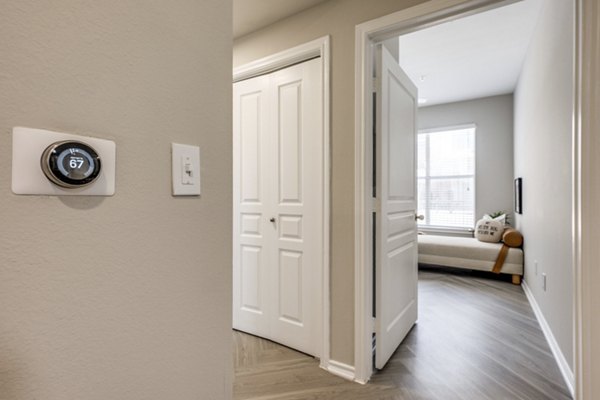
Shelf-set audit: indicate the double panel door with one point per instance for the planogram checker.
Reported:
(278, 205)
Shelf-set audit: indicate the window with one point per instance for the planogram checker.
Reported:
(446, 178)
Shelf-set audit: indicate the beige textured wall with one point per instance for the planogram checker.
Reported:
(543, 146)
(588, 363)
(337, 18)
(126, 297)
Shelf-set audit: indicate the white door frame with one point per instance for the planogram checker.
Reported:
(316, 48)
(586, 175)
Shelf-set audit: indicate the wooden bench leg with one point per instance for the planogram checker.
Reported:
(516, 279)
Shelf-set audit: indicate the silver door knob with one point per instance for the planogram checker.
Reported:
(272, 219)
(421, 217)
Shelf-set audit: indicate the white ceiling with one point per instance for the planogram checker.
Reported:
(471, 57)
(251, 15)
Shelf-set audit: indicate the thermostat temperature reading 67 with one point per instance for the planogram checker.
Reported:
(70, 164)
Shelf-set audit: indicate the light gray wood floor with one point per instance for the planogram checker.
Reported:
(476, 338)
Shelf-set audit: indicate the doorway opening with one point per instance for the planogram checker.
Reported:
(380, 31)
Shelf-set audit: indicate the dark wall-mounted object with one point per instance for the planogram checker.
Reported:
(519, 195)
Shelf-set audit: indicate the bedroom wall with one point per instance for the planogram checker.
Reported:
(543, 146)
(493, 117)
(337, 18)
(125, 297)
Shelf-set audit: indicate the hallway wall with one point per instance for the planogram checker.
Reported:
(125, 297)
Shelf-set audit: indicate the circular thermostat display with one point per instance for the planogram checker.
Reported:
(70, 164)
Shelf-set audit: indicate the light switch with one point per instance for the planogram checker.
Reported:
(185, 169)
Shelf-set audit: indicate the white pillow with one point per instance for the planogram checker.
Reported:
(489, 230)
(499, 218)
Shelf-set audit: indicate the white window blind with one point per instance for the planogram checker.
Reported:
(446, 178)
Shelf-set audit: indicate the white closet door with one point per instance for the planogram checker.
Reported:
(396, 234)
(297, 183)
(251, 206)
(278, 210)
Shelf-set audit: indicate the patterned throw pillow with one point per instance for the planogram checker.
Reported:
(489, 230)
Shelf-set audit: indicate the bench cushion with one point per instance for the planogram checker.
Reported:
(469, 253)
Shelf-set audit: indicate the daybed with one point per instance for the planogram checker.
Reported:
(469, 253)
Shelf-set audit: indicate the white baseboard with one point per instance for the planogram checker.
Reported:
(339, 369)
(563, 365)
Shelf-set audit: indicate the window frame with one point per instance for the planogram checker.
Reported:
(427, 178)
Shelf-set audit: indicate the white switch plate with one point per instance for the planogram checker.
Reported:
(27, 174)
(185, 169)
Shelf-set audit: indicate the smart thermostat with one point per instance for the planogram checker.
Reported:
(71, 164)
(62, 164)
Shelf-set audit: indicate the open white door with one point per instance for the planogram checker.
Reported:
(396, 228)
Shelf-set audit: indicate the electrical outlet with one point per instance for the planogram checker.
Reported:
(544, 281)
(535, 265)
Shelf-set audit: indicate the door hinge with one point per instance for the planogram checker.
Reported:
(374, 85)
(375, 205)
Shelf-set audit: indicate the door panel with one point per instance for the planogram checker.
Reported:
(251, 224)
(396, 233)
(251, 271)
(251, 137)
(290, 287)
(290, 227)
(401, 131)
(289, 129)
(278, 145)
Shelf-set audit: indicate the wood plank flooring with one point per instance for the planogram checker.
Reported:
(476, 338)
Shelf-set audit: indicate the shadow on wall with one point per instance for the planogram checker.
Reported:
(81, 202)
